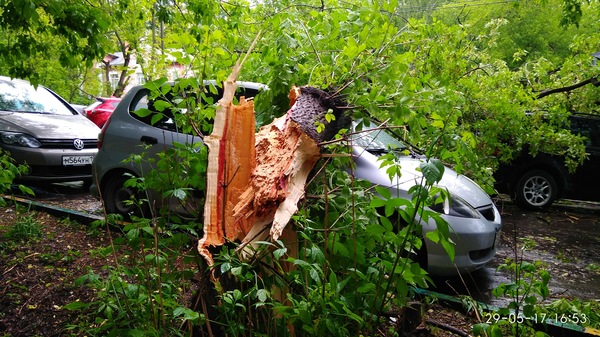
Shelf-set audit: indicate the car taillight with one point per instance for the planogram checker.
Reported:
(101, 134)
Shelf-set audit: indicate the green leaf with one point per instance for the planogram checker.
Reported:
(433, 170)
(26, 190)
(384, 192)
(179, 194)
(376, 203)
(156, 118)
(449, 247)
(262, 295)
(367, 287)
(278, 253)
(143, 112)
(76, 306)
(433, 236)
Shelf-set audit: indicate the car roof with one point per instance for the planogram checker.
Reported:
(243, 84)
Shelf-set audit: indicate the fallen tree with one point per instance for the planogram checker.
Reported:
(254, 181)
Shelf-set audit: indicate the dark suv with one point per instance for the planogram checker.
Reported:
(536, 182)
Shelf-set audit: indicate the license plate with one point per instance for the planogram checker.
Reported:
(77, 160)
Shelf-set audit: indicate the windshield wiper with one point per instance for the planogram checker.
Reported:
(378, 151)
(35, 112)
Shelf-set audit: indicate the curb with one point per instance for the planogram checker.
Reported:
(82, 217)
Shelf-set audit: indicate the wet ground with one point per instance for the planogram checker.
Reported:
(565, 238)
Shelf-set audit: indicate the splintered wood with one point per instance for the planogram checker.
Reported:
(254, 182)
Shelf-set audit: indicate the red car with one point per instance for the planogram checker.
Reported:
(99, 111)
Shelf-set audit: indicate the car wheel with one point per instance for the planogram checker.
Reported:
(536, 189)
(124, 200)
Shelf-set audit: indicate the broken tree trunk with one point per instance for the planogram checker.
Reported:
(230, 164)
(285, 152)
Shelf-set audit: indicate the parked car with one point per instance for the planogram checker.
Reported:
(42, 130)
(470, 212)
(79, 108)
(473, 217)
(99, 111)
(125, 133)
(536, 182)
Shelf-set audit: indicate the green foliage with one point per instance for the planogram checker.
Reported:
(8, 172)
(574, 311)
(461, 92)
(26, 228)
(526, 293)
(460, 89)
(356, 259)
(33, 27)
(143, 294)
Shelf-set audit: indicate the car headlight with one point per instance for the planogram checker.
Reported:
(455, 206)
(19, 139)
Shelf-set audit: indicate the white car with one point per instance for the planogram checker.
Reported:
(42, 130)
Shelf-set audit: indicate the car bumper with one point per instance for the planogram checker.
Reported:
(475, 244)
(46, 165)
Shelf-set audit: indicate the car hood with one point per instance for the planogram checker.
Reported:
(368, 167)
(49, 126)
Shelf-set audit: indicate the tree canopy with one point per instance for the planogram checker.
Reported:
(459, 75)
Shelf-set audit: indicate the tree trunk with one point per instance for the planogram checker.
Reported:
(254, 182)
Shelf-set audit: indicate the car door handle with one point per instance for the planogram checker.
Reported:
(149, 140)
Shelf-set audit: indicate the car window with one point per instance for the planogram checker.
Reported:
(373, 138)
(22, 97)
(142, 101)
(588, 128)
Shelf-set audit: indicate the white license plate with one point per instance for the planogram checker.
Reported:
(77, 160)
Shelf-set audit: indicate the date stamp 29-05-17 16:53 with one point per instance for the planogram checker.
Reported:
(576, 318)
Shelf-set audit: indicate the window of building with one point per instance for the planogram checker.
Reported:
(114, 80)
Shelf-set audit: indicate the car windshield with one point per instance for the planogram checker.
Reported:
(16, 96)
(376, 139)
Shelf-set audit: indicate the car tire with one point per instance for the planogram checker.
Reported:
(536, 189)
(117, 199)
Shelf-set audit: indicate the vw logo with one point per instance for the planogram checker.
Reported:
(78, 143)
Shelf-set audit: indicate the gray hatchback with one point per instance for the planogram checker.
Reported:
(130, 130)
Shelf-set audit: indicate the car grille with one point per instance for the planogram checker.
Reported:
(487, 212)
(67, 143)
(59, 171)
